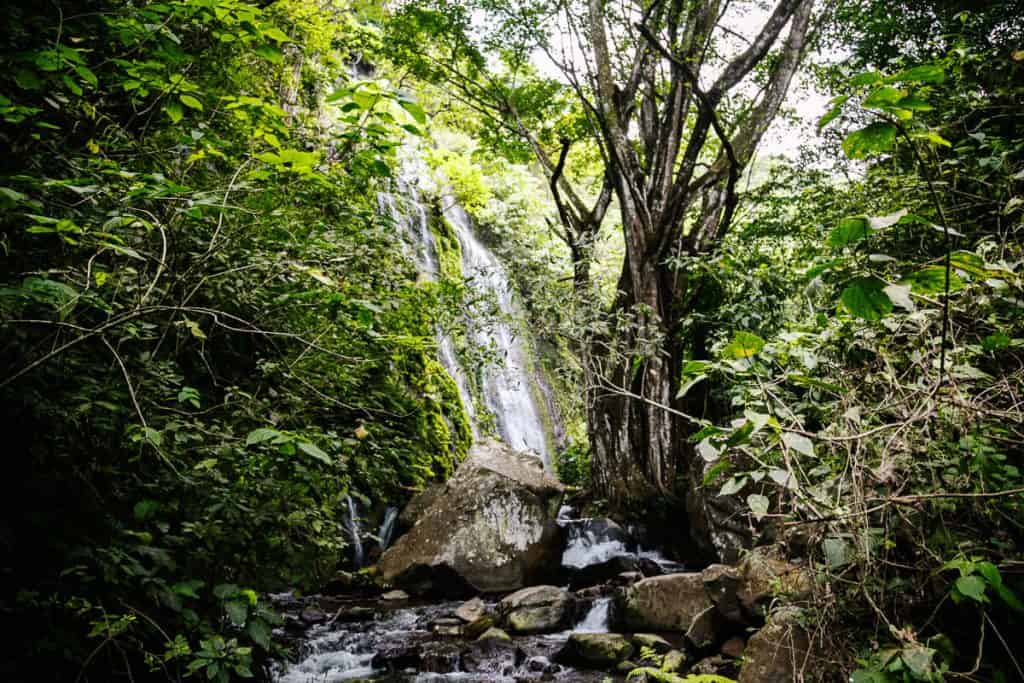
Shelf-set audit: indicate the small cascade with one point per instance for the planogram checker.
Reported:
(506, 388)
(387, 527)
(597, 619)
(352, 524)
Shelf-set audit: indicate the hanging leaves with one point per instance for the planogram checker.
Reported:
(865, 298)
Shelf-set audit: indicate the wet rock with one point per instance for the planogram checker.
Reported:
(705, 629)
(536, 609)
(628, 578)
(494, 655)
(493, 530)
(674, 661)
(649, 567)
(471, 610)
(312, 615)
(719, 666)
(722, 583)
(625, 667)
(600, 572)
(541, 665)
(474, 628)
(396, 656)
(664, 603)
(447, 627)
(652, 641)
(596, 650)
(342, 582)
(764, 574)
(778, 652)
(733, 647)
(495, 634)
(395, 596)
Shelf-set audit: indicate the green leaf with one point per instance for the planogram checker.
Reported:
(833, 113)
(743, 345)
(918, 660)
(866, 78)
(932, 280)
(153, 436)
(174, 111)
(798, 443)
(925, 73)
(865, 298)
(276, 35)
(837, 552)
(758, 505)
(190, 101)
(312, 451)
(259, 631)
(994, 342)
(733, 486)
(270, 53)
(260, 435)
(415, 110)
(848, 231)
(883, 97)
(875, 139)
(973, 587)
(237, 611)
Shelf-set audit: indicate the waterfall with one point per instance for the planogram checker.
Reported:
(352, 523)
(506, 388)
(387, 527)
(596, 620)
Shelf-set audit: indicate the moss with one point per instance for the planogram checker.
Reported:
(443, 425)
(449, 249)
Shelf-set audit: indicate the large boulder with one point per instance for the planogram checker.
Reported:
(536, 609)
(665, 603)
(491, 530)
(718, 524)
(778, 653)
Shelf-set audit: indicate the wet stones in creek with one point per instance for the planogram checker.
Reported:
(537, 609)
(493, 529)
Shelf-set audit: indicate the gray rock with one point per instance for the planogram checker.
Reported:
(536, 609)
(733, 647)
(494, 634)
(418, 504)
(664, 603)
(705, 629)
(778, 652)
(471, 610)
(722, 583)
(597, 650)
(493, 530)
(718, 524)
(718, 665)
(395, 596)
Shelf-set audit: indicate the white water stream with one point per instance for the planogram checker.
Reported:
(507, 387)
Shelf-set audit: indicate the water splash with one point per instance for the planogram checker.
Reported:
(597, 619)
(352, 524)
(387, 527)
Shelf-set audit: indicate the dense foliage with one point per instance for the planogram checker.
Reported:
(214, 336)
(211, 337)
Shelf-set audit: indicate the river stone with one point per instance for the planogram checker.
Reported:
(492, 530)
(705, 628)
(718, 524)
(653, 641)
(536, 609)
(494, 634)
(733, 647)
(722, 582)
(778, 652)
(395, 596)
(665, 603)
(474, 628)
(418, 504)
(471, 610)
(598, 650)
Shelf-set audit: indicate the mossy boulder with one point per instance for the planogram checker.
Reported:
(536, 609)
(597, 650)
(492, 529)
(664, 603)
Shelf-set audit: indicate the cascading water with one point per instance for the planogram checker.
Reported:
(387, 528)
(597, 619)
(352, 523)
(506, 387)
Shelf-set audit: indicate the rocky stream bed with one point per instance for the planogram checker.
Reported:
(494, 580)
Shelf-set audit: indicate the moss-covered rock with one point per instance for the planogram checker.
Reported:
(536, 609)
(598, 650)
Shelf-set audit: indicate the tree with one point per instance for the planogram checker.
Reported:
(672, 150)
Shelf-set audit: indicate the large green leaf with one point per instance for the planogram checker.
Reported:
(877, 138)
(314, 452)
(932, 280)
(865, 298)
(925, 73)
(743, 345)
(849, 230)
